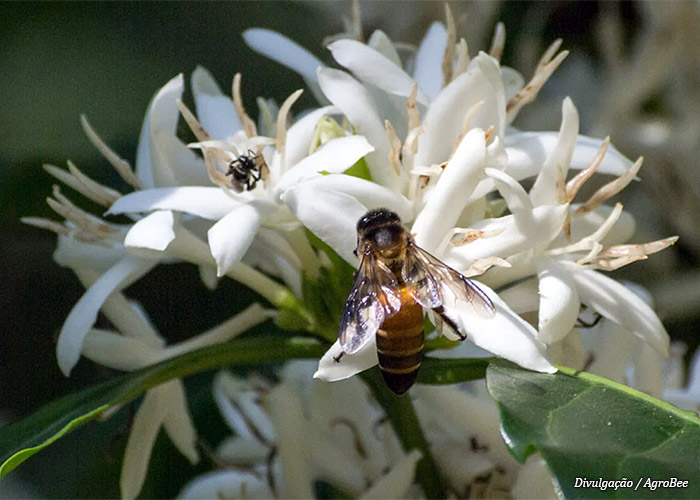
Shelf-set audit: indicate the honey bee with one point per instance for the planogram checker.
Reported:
(245, 171)
(395, 281)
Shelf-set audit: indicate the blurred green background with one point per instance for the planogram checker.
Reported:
(106, 60)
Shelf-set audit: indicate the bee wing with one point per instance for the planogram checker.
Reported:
(373, 298)
(426, 278)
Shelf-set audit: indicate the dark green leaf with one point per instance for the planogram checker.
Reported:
(589, 427)
(22, 439)
(438, 371)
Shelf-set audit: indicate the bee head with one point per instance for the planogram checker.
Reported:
(375, 218)
(383, 231)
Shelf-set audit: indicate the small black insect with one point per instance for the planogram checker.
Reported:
(245, 171)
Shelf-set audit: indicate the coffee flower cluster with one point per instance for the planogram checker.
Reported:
(426, 134)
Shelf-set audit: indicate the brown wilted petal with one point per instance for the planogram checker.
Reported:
(122, 166)
(610, 189)
(248, 124)
(528, 93)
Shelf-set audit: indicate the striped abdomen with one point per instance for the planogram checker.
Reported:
(400, 345)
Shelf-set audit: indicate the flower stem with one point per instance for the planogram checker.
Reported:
(301, 246)
(400, 411)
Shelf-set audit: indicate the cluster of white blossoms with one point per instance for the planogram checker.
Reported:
(433, 128)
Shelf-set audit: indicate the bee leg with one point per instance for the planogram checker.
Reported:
(583, 324)
(440, 311)
(337, 358)
(253, 180)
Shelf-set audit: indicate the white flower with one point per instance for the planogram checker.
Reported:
(95, 249)
(505, 334)
(687, 397)
(164, 406)
(318, 432)
(445, 103)
(415, 123)
(105, 261)
(239, 217)
(566, 271)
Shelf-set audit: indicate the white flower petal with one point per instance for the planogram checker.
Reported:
(288, 53)
(77, 254)
(569, 351)
(356, 103)
(174, 164)
(380, 42)
(117, 351)
(616, 302)
(335, 464)
(513, 81)
(300, 134)
(287, 415)
(465, 415)
(428, 66)
(694, 373)
(452, 190)
(330, 215)
(534, 480)
(445, 118)
(588, 223)
(512, 192)
(335, 156)
(226, 484)
(206, 202)
(522, 297)
(396, 482)
(155, 231)
(648, 370)
(349, 365)
(242, 450)
(237, 400)
(527, 152)
(162, 114)
(142, 437)
(215, 111)
(207, 274)
(370, 194)
(458, 463)
(231, 236)
(352, 405)
(611, 351)
(688, 398)
(556, 166)
(505, 334)
(372, 67)
(519, 233)
(178, 423)
(161, 159)
(129, 318)
(559, 304)
(84, 313)
(225, 389)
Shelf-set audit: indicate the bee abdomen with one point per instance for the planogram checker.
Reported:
(400, 353)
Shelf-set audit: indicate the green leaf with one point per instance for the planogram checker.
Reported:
(20, 440)
(359, 169)
(589, 427)
(439, 371)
